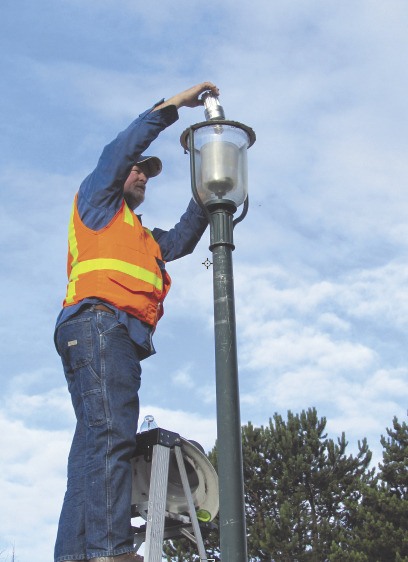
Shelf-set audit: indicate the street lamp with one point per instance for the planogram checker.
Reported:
(218, 165)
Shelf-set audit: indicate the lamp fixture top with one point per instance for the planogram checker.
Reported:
(249, 131)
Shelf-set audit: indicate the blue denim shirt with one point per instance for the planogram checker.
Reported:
(100, 197)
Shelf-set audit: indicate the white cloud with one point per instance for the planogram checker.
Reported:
(337, 345)
(182, 377)
(32, 484)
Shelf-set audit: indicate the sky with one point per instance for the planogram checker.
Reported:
(321, 260)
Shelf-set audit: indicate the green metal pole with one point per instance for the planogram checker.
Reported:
(229, 445)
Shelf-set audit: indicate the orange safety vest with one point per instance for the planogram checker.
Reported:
(117, 264)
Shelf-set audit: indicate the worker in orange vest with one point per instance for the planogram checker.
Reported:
(117, 282)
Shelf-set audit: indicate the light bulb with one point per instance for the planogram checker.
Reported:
(212, 107)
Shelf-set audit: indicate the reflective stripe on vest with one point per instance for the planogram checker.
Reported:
(73, 250)
(116, 265)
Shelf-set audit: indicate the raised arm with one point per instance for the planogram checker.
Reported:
(101, 193)
(190, 97)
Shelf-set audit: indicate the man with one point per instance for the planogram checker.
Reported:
(117, 284)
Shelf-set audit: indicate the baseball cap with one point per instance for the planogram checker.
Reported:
(153, 164)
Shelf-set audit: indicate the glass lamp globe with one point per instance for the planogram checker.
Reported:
(219, 155)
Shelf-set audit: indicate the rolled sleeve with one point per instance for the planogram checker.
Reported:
(101, 193)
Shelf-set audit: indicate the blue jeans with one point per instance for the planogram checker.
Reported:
(102, 368)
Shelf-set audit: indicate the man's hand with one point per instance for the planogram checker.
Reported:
(190, 97)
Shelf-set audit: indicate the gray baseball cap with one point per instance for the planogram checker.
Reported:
(153, 164)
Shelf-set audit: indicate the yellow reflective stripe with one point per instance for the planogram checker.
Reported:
(149, 232)
(73, 250)
(128, 218)
(116, 265)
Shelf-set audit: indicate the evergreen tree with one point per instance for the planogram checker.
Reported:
(380, 520)
(393, 492)
(296, 502)
(394, 469)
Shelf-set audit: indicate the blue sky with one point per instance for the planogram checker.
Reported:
(321, 260)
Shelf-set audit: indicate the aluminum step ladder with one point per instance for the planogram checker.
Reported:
(153, 453)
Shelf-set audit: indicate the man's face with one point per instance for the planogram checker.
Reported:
(135, 186)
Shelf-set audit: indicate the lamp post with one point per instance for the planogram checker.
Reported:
(218, 165)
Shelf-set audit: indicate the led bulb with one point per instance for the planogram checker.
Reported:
(212, 107)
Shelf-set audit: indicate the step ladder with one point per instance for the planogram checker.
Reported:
(156, 450)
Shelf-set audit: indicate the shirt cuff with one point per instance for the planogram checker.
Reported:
(195, 208)
(169, 113)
